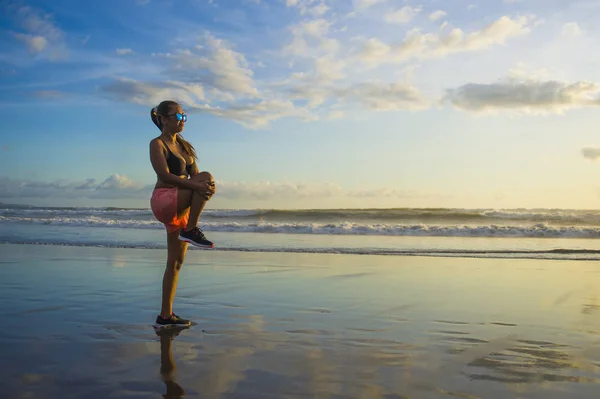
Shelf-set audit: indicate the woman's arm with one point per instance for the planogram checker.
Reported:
(194, 169)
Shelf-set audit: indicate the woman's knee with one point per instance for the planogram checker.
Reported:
(175, 264)
(175, 260)
(203, 176)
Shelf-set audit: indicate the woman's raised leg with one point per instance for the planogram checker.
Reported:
(195, 201)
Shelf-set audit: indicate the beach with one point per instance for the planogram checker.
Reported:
(358, 199)
(292, 325)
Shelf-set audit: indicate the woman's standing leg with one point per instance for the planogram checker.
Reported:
(175, 257)
(187, 201)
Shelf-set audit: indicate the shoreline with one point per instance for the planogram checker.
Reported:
(549, 255)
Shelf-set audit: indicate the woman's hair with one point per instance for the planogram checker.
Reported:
(163, 109)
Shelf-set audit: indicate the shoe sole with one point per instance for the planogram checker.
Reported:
(195, 244)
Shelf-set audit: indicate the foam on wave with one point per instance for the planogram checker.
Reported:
(541, 230)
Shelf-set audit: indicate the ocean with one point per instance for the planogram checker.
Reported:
(489, 233)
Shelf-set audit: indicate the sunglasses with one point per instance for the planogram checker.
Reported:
(180, 117)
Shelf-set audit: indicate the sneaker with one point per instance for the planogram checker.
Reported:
(173, 321)
(195, 237)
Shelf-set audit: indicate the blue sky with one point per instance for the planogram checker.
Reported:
(305, 103)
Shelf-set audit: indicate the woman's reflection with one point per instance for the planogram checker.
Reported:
(167, 363)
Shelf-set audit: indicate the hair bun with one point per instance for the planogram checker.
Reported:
(154, 117)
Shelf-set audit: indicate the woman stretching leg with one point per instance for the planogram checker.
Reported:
(180, 194)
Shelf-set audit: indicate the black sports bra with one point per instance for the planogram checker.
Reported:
(177, 166)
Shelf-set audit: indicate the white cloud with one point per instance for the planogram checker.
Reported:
(36, 21)
(214, 64)
(316, 28)
(525, 96)
(302, 90)
(403, 15)
(42, 35)
(375, 51)
(380, 96)
(591, 153)
(310, 39)
(118, 182)
(430, 45)
(309, 7)
(266, 190)
(298, 47)
(362, 4)
(35, 44)
(329, 69)
(252, 113)
(572, 29)
(215, 79)
(259, 114)
(124, 51)
(319, 10)
(152, 93)
(436, 15)
(372, 95)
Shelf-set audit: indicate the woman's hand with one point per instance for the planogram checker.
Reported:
(206, 188)
(212, 190)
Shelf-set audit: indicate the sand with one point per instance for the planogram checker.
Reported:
(274, 325)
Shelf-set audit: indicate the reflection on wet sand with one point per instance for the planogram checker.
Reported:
(248, 355)
(253, 356)
(167, 363)
(417, 328)
(531, 362)
(245, 359)
(592, 306)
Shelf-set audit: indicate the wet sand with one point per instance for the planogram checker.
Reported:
(275, 325)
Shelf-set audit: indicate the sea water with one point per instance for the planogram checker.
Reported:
(510, 233)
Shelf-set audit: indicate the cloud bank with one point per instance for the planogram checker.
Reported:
(121, 187)
(531, 96)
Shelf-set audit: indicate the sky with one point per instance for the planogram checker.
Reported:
(305, 103)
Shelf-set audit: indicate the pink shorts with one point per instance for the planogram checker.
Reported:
(164, 207)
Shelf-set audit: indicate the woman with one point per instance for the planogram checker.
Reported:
(177, 200)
